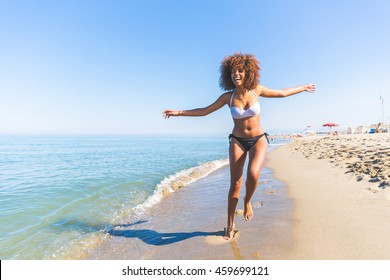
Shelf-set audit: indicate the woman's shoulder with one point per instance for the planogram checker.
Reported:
(258, 89)
(226, 96)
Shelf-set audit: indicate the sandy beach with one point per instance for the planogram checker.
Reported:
(189, 224)
(339, 186)
(330, 200)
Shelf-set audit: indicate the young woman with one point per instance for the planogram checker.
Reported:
(240, 79)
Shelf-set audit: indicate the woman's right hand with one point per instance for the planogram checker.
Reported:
(170, 113)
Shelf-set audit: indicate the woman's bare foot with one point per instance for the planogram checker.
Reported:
(248, 212)
(229, 232)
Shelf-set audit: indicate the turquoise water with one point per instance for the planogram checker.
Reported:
(58, 195)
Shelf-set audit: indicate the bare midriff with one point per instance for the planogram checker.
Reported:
(248, 127)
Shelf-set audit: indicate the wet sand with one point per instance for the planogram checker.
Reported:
(339, 186)
(189, 224)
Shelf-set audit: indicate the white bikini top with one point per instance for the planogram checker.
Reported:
(239, 113)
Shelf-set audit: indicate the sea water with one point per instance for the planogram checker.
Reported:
(60, 194)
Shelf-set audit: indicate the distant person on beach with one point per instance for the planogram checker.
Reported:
(240, 77)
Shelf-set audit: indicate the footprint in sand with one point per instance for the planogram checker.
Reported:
(271, 191)
(218, 239)
(257, 204)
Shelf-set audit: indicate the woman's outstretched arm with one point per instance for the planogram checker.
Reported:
(267, 92)
(199, 112)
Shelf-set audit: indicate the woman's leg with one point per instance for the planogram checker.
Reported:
(257, 156)
(237, 160)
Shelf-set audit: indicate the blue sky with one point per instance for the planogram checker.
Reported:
(112, 67)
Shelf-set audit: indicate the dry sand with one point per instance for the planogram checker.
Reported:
(339, 186)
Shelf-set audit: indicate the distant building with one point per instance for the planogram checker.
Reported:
(351, 130)
(362, 129)
(309, 133)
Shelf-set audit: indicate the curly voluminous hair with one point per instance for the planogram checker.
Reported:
(248, 62)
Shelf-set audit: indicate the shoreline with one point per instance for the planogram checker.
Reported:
(312, 203)
(339, 212)
(189, 225)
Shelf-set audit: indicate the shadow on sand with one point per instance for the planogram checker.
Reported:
(148, 236)
(155, 238)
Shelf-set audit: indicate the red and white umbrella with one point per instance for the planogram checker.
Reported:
(330, 125)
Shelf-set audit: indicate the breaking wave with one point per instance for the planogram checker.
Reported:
(179, 180)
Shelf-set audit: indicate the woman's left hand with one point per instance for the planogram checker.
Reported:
(310, 88)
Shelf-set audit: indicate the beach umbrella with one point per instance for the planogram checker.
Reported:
(330, 125)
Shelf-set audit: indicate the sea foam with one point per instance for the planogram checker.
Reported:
(179, 180)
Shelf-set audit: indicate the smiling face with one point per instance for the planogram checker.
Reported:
(238, 76)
